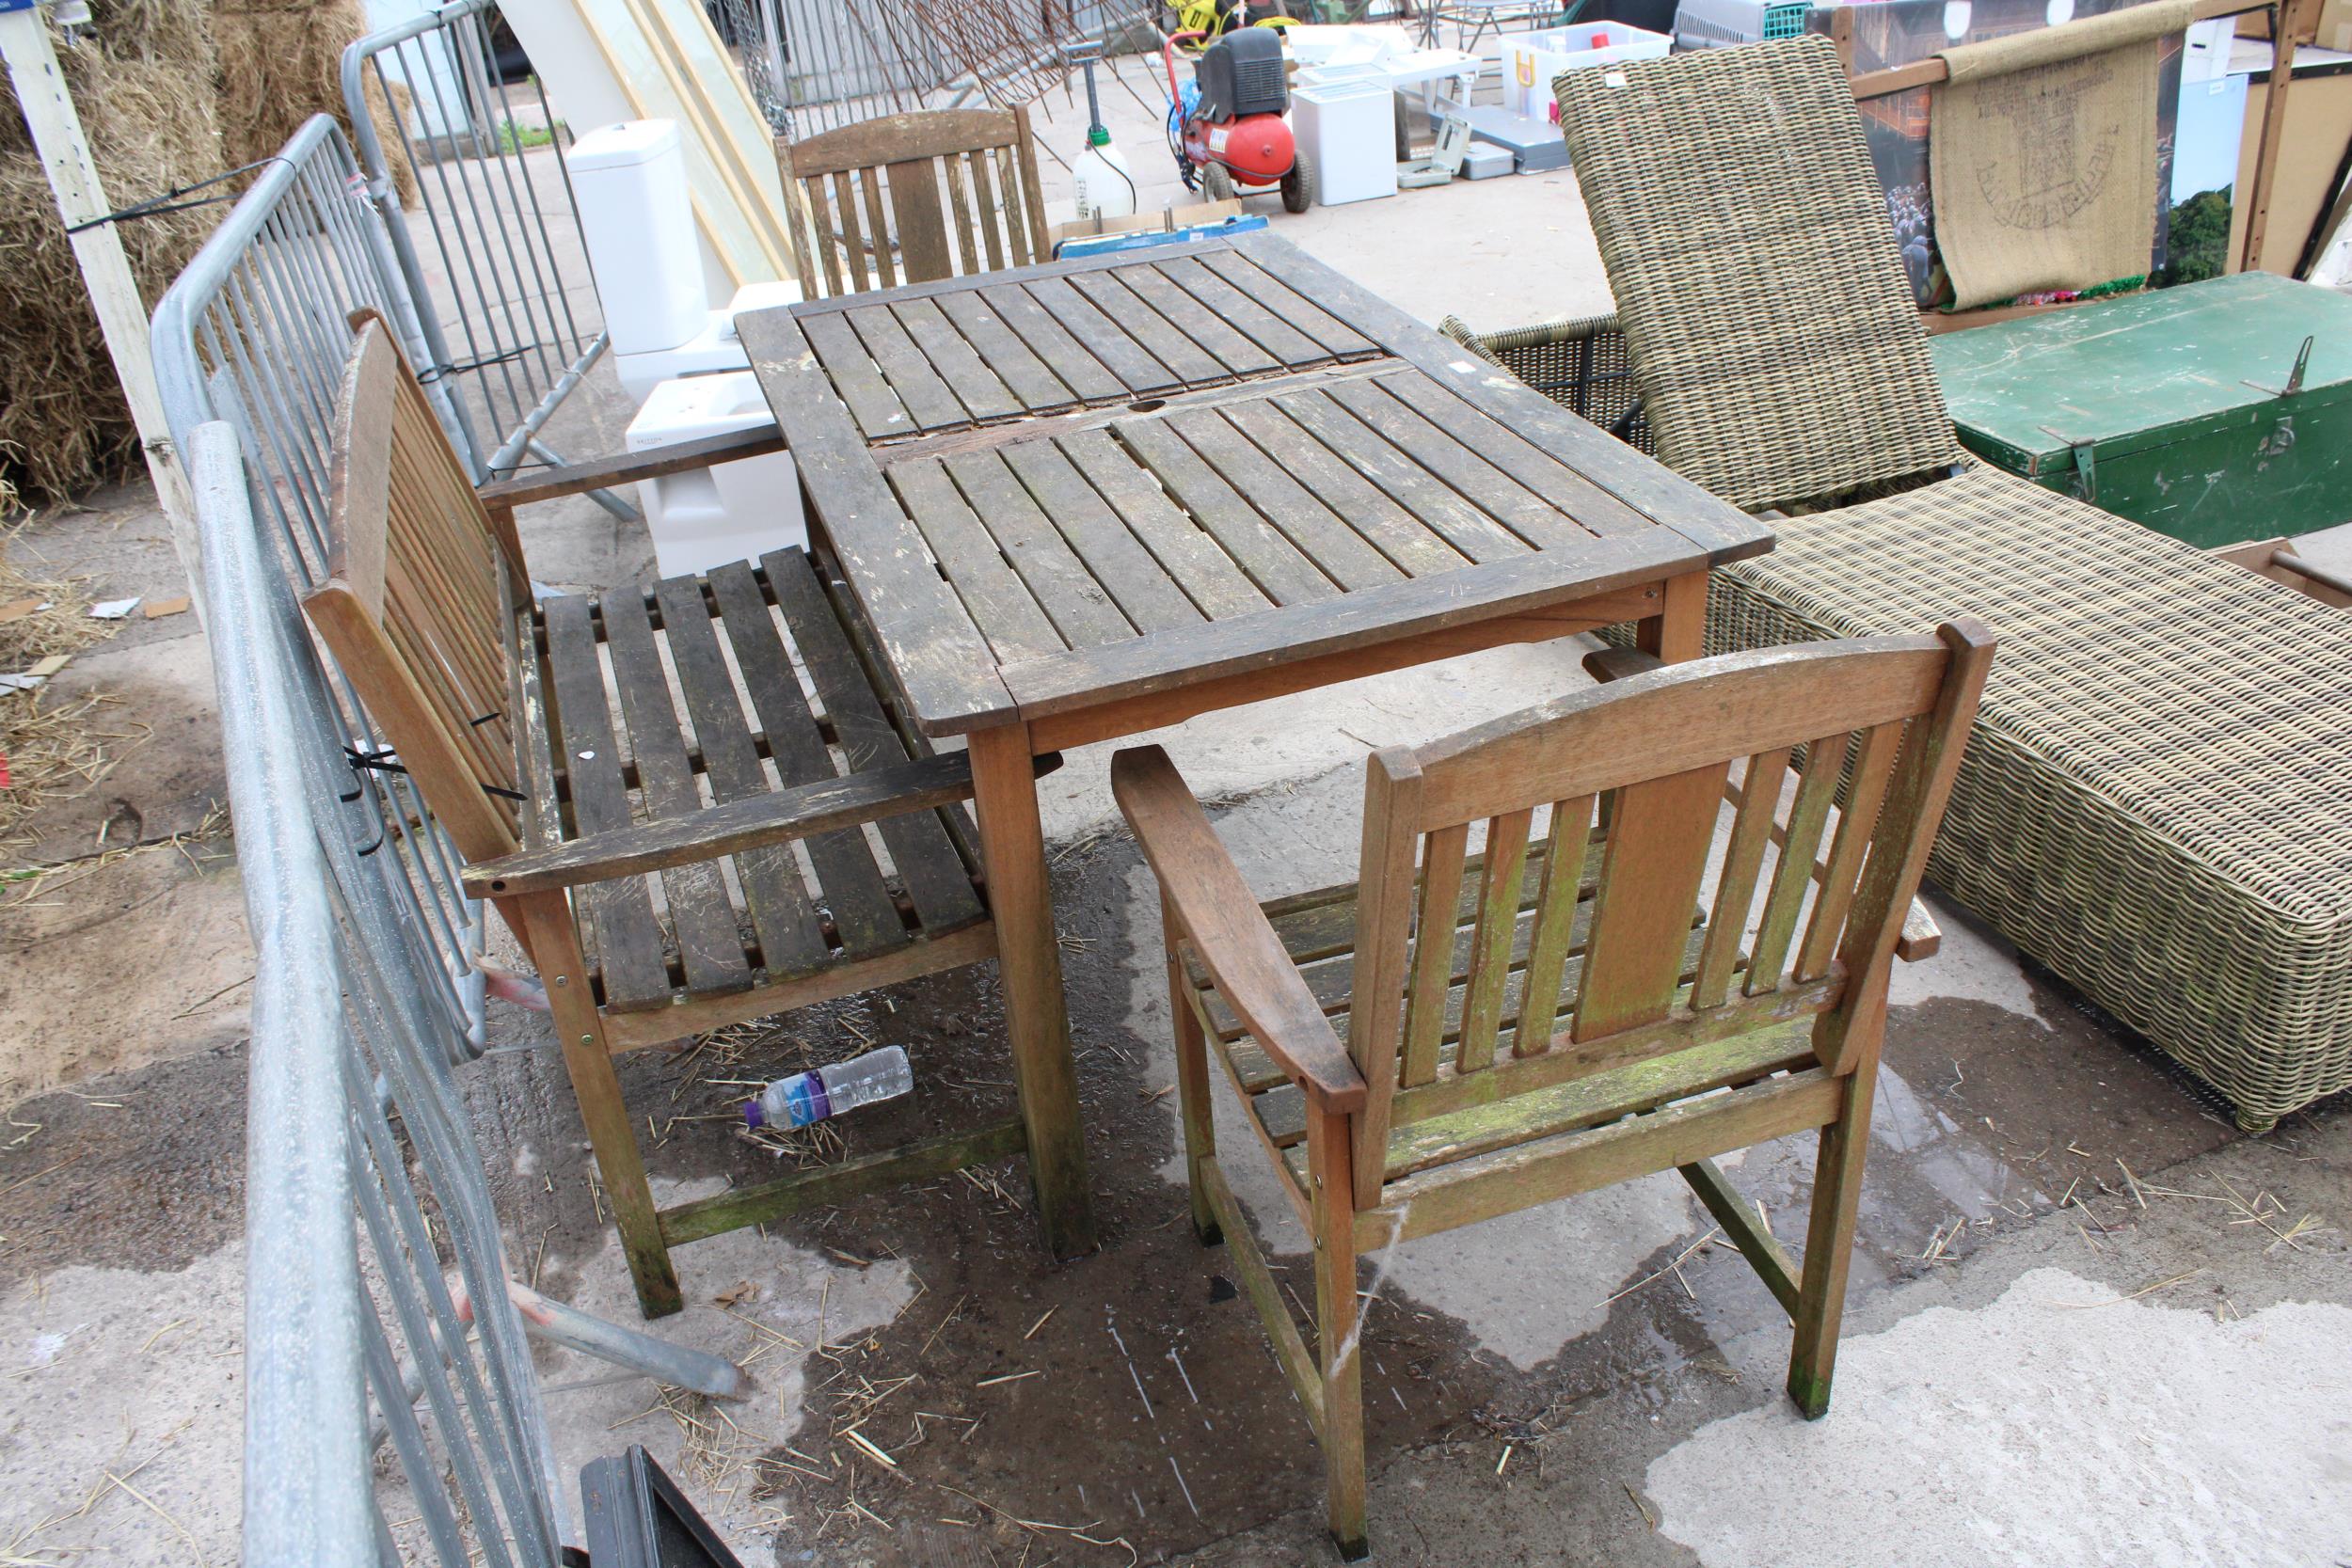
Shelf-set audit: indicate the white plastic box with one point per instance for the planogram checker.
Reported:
(629, 180)
(737, 511)
(1531, 61)
(1348, 130)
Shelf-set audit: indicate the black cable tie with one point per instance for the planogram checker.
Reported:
(477, 723)
(374, 848)
(504, 794)
(459, 367)
(169, 201)
(352, 799)
(380, 762)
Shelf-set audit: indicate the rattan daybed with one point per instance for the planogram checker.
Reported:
(2157, 803)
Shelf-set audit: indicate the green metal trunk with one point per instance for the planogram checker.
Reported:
(2217, 412)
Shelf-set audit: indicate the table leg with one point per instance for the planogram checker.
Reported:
(1678, 630)
(1012, 841)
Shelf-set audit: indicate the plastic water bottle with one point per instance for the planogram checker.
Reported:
(807, 1097)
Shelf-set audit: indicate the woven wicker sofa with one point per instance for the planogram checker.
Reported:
(2157, 801)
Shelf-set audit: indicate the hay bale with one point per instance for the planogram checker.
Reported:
(281, 63)
(142, 79)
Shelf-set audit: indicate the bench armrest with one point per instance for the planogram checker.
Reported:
(779, 816)
(1921, 935)
(1235, 941)
(623, 467)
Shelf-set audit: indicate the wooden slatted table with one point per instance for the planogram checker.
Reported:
(1082, 500)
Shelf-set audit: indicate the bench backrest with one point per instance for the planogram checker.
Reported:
(857, 190)
(1582, 948)
(420, 602)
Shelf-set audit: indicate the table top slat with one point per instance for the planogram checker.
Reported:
(1001, 349)
(979, 389)
(1598, 510)
(1120, 353)
(1187, 361)
(1081, 608)
(934, 648)
(1143, 591)
(927, 395)
(857, 378)
(1286, 344)
(1289, 303)
(1258, 548)
(1396, 475)
(1078, 370)
(1485, 487)
(1413, 544)
(1322, 537)
(1184, 548)
(1007, 612)
(1237, 353)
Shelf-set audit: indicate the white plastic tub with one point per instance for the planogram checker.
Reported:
(1348, 130)
(1531, 61)
(738, 511)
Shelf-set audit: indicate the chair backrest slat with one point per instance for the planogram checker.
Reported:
(420, 587)
(915, 197)
(1607, 939)
(1792, 365)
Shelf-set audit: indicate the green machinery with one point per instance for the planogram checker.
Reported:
(2217, 412)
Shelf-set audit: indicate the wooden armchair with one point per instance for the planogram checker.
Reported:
(570, 770)
(865, 190)
(1553, 1019)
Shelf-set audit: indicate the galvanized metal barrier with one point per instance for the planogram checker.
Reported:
(494, 288)
(254, 333)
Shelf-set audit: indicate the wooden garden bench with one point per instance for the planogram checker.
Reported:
(873, 200)
(570, 770)
(1559, 1010)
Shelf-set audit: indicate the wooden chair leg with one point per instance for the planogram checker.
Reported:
(547, 920)
(1337, 1329)
(1004, 792)
(1192, 1084)
(1829, 1243)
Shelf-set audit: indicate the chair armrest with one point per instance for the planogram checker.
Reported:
(623, 467)
(1921, 935)
(779, 816)
(1235, 941)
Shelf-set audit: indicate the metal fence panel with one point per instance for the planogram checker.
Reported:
(254, 333)
(491, 255)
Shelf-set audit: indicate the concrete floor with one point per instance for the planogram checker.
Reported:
(2091, 1322)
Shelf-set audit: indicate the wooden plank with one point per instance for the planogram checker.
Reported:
(1237, 353)
(923, 252)
(709, 943)
(1187, 361)
(1424, 498)
(933, 647)
(789, 936)
(1286, 344)
(1415, 547)
(1183, 549)
(928, 864)
(1007, 612)
(1872, 768)
(1557, 907)
(1793, 878)
(1278, 297)
(979, 164)
(877, 238)
(1735, 889)
(1081, 371)
(983, 396)
(894, 138)
(1119, 353)
(1490, 943)
(1658, 837)
(858, 379)
(1082, 611)
(1337, 551)
(1648, 488)
(628, 467)
(620, 914)
(1290, 1347)
(1592, 507)
(1007, 357)
(766, 1202)
(1433, 953)
(874, 238)
(1744, 1223)
(850, 883)
(1011, 277)
(1260, 549)
(929, 398)
(1487, 487)
(1146, 593)
(951, 175)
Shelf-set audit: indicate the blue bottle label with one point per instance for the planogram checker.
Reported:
(806, 1100)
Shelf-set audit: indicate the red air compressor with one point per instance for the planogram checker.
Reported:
(1226, 127)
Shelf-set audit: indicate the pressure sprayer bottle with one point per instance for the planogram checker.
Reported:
(1106, 189)
(807, 1097)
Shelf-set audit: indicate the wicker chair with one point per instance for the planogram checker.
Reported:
(2157, 803)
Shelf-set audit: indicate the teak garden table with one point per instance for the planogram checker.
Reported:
(1081, 501)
